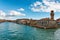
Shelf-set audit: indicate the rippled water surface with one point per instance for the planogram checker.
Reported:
(13, 31)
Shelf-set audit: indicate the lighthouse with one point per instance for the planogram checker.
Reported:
(52, 15)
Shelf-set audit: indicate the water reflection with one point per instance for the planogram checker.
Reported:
(12, 31)
(57, 34)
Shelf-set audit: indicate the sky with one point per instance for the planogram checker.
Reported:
(30, 9)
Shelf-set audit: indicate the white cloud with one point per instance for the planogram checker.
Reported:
(8, 18)
(2, 13)
(16, 13)
(12, 14)
(21, 9)
(2, 17)
(37, 3)
(46, 6)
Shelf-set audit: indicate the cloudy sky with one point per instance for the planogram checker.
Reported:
(32, 9)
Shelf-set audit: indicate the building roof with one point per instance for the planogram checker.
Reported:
(45, 19)
(58, 20)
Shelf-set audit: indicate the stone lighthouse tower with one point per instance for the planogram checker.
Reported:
(52, 15)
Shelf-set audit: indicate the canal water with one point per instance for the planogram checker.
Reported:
(13, 31)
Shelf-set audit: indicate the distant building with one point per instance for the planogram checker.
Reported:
(46, 22)
(43, 22)
(2, 20)
(58, 21)
(32, 22)
(22, 21)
